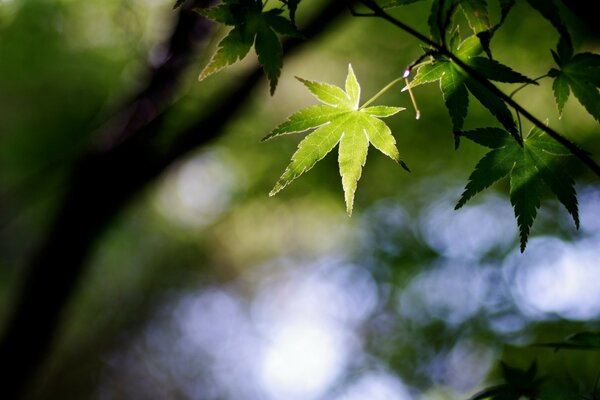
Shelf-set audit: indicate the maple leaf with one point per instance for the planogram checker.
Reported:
(251, 26)
(455, 83)
(539, 161)
(580, 74)
(338, 120)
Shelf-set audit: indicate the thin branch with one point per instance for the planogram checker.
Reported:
(523, 86)
(573, 148)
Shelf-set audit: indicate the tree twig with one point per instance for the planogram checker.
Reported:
(577, 151)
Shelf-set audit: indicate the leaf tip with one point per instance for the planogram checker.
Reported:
(404, 166)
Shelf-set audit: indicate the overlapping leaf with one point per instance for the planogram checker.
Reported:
(338, 120)
(485, 36)
(476, 13)
(539, 162)
(581, 75)
(251, 26)
(455, 83)
(292, 6)
(440, 17)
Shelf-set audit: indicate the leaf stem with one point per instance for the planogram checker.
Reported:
(381, 92)
(572, 147)
(412, 98)
(527, 84)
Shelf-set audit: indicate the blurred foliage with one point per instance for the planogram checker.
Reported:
(200, 280)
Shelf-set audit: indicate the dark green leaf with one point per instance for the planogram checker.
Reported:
(221, 13)
(539, 162)
(292, 7)
(178, 4)
(440, 17)
(488, 137)
(525, 186)
(495, 105)
(587, 94)
(270, 54)
(455, 95)
(494, 166)
(505, 7)
(493, 70)
(281, 25)
(251, 26)
(560, 87)
(582, 75)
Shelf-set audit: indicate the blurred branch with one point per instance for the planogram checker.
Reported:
(105, 179)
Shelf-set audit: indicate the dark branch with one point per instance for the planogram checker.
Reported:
(102, 183)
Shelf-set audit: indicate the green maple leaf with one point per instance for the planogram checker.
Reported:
(338, 120)
(580, 74)
(539, 162)
(251, 26)
(455, 83)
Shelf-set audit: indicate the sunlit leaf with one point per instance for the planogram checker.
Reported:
(477, 14)
(338, 120)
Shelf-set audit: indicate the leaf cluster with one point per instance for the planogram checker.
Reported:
(252, 26)
(463, 67)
